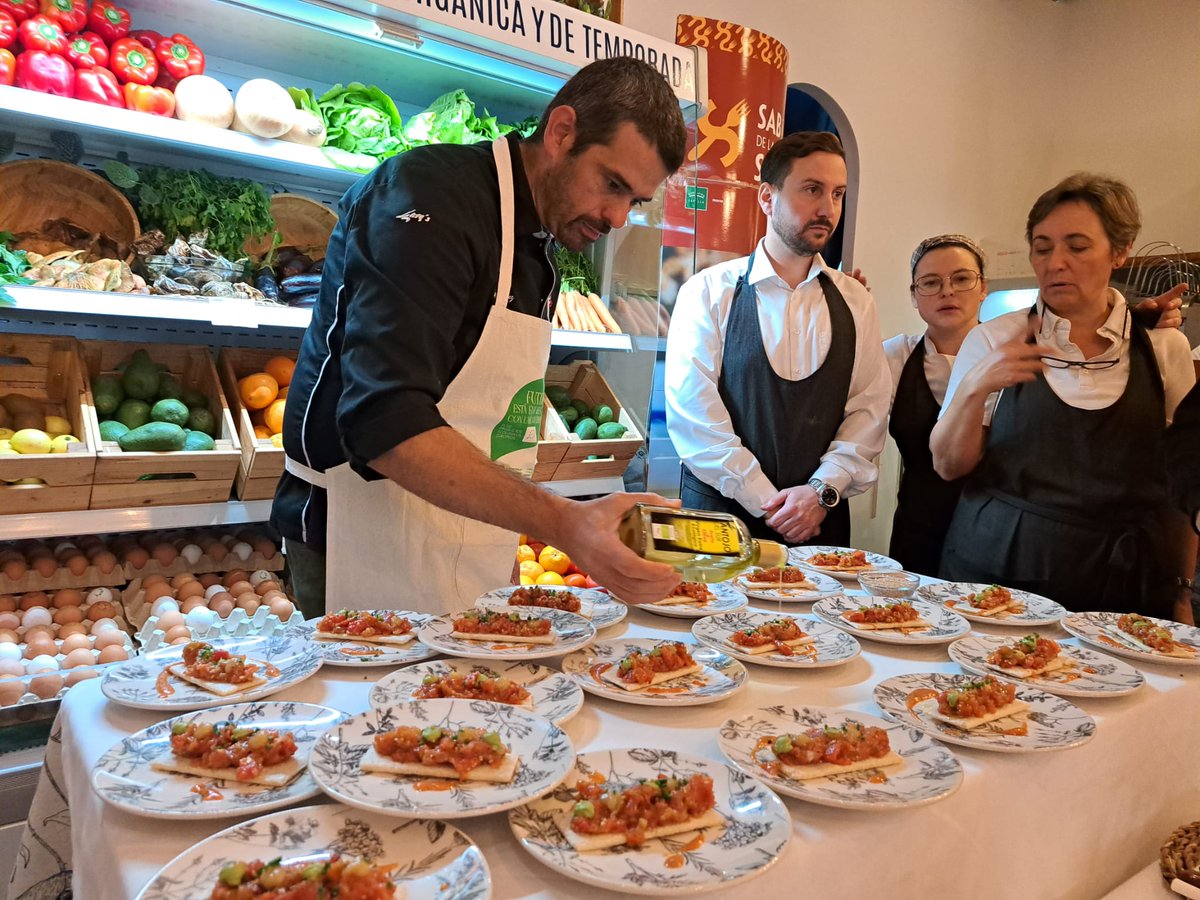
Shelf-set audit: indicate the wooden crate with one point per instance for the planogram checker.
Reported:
(562, 456)
(49, 370)
(202, 476)
(261, 464)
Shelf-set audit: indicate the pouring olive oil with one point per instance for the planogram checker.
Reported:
(704, 546)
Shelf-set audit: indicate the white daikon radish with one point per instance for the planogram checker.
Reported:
(307, 129)
(264, 108)
(203, 99)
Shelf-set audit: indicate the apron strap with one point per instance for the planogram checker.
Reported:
(304, 473)
(500, 150)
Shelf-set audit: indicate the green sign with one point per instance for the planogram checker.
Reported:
(696, 198)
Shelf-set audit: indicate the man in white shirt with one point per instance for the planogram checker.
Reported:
(777, 388)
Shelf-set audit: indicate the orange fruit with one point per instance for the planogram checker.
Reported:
(550, 578)
(532, 569)
(262, 432)
(258, 417)
(525, 552)
(578, 581)
(280, 368)
(525, 579)
(554, 560)
(282, 393)
(258, 390)
(274, 416)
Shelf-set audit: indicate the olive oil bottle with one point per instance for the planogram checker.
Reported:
(704, 546)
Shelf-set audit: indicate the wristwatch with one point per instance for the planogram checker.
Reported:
(1182, 582)
(827, 495)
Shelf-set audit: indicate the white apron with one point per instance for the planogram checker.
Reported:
(387, 548)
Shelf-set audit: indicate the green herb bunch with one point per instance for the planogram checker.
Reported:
(13, 265)
(576, 272)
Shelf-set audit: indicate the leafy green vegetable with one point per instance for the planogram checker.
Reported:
(181, 202)
(359, 120)
(576, 272)
(13, 265)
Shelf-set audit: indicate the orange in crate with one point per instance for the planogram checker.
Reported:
(258, 391)
(274, 416)
(280, 368)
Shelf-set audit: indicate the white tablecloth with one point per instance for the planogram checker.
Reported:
(1069, 824)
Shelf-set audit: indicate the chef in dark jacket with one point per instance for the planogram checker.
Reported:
(1057, 415)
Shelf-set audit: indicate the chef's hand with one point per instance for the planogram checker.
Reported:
(589, 536)
(795, 513)
(860, 277)
(1164, 310)
(1011, 363)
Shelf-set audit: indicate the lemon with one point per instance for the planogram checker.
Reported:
(551, 578)
(59, 444)
(8, 451)
(56, 425)
(531, 569)
(525, 553)
(31, 440)
(525, 579)
(6, 434)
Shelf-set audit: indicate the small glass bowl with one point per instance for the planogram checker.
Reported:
(890, 583)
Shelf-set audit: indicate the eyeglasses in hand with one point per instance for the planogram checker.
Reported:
(1092, 365)
(931, 285)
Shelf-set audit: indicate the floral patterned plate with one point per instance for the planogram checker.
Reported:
(433, 860)
(1100, 630)
(606, 610)
(800, 556)
(544, 752)
(361, 654)
(832, 647)
(124, 778)
(756, 830)
(945, 626)
(143, 682)
(1051, 723)
(929, 772)
(1088, 674)
(1037, 610)
(573, 632)
(555, 696)
(823, 586)
(725, 599)
(722, 676)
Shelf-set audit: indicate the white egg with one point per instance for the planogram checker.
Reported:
(104, 625)
(163, 605)
(228, 539)
(241, 550)
(200, 619)
(259, 576)
(212, 590)
(192, 553)
(9, 651)
(64, 547)
(41, 663)
(95, 595)
(37, 616)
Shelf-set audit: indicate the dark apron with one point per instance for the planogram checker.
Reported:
(787, 425)
(926, 501)
(1070, 503)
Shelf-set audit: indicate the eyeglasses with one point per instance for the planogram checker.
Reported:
(929, 285)
(1092, 365)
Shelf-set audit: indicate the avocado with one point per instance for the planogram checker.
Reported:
(107, 394)
(140, 381)
(133, 413)
(155, 436)
(193, 398)
(139, 358)
(570, 415)
(603, 414)
(610, 431)
(200, 419)
(586, 428)
(172, 411)
(111, 430)
(584, 409)
(557, 394)
(169, 387)
(197, 440)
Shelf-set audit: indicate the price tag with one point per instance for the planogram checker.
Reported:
(231, 312)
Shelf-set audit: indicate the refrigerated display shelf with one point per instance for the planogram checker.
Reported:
(146, 518)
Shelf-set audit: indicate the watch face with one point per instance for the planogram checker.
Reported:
(829, 497)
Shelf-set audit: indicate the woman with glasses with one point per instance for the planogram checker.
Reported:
(1056, 417)
(947, 289)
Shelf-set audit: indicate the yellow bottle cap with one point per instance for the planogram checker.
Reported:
(771, 553)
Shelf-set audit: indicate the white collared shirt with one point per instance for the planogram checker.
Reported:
(1080, 388)
(937, 365)
(796, 338)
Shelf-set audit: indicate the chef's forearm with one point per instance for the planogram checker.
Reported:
(957, 439)
(1181, 545)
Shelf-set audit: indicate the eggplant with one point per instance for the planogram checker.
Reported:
(264, 280)
(304, 301)
(299, 284)
(317, 267)
(296, 265)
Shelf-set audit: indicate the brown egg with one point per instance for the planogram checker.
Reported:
(241, 587)
(15, 569)
(8, 603)
(177, 632)
(35, 599)
(180, 580)
(272, 595)
(101, 610)
(216, 551)
(153, 579)
(35, 632)
(67, 597)
(137, 557)
(10, 620)
(234, 576)
(192, 603)
(104, 561)
(46, 686)
(265, 547)
(77, 675)
(42, 646)
(220, 596)
(67, 615)
(208, 579)
(164, 554)
(190, 589)
(67, 630)
(9, 636)
(222, 605)
(249, 602)
(110, 638)
(11, 690)
(281, 607)
(169, 620)
(73, 642)
(81, 656)
(77, 564)
(44, 564)
(181, 640)
(89, 544)
(266, 587)
(156, 591)
(111, 654)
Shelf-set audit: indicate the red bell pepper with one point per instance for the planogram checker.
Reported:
(71, 15)
(49, 73)
(8, 67)
(109, 21)
(79, 53)
(42, 33)
(179, 57)
(99, 47)
(98, 85)
(130, 61)
(8, 30)
(148, 38)
(20, 9)
(149, 99)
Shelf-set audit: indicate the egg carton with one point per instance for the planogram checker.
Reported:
(204, 565)
(28, 698)
(62, 578)
(119, 617)
(139, 611)
(237, 624)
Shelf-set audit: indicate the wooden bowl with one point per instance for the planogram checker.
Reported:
(301, 223)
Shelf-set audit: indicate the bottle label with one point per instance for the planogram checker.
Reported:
(683, 534)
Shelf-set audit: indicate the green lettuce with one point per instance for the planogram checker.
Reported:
(360, 121)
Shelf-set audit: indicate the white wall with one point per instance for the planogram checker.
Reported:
(965, 111)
